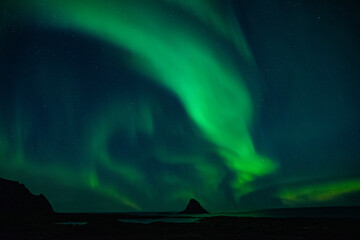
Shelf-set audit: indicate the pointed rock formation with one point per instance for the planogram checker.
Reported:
(16, 198)
(194, 207)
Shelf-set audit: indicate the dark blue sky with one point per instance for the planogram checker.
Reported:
(131, 106)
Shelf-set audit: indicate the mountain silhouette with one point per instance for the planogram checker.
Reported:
(16, 198)
(194, 207)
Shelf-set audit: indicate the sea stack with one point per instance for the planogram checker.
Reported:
(16, 198)
(194, 207)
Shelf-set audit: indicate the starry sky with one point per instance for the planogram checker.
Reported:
(136, 105)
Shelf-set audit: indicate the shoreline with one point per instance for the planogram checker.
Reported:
(108, 226)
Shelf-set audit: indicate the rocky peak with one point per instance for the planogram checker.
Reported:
(16, 198)
(194, 207)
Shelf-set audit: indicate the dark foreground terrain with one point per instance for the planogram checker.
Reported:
(107, 226)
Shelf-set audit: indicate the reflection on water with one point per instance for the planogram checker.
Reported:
(167, 220)
(71, 223)
(170, 217)
(310, 212)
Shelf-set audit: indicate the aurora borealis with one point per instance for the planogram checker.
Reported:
(135, 105)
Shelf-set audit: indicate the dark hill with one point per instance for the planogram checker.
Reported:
(16, 198)
(194, 207)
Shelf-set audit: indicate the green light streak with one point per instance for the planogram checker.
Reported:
(69, 178)
(15, 162)
(208, 11)
(319, 192)
(119, 117)
(175, 54)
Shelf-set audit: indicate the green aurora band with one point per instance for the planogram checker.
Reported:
(182, 57)
(322, 192)
(179, 57)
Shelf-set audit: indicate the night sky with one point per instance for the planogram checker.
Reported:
(139, 105)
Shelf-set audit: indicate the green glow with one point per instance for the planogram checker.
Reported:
(319, 192)
(71, 178)
(173, 53)
(183, 60)
(19, 164)
(143, 104)
(3, 143)
(118, 118)
(223, 21)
